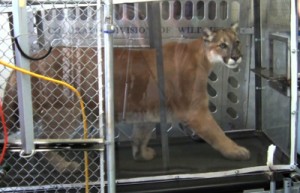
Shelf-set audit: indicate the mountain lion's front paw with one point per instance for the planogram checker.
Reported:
(148, 153)
(237, 153)
(144, 154)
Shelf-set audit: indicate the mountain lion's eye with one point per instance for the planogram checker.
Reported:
(223, 45)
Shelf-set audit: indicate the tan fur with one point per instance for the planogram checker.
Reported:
(186, 70)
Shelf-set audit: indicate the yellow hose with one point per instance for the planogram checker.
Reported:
(85, 126)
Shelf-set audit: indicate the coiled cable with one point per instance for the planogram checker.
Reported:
(29, 57)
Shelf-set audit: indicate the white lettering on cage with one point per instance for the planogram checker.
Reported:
(72, 30)
(79, 30)
(190, 30)
(138, 30)
(82, 30)
(131, 30)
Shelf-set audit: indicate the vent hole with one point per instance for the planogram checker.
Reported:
(177, 10)
(212, 10)
(188, 11)
(200, 10)
(94, 12)
(165, 10)
(48, 15)
(223, 10)
(212, 107)
(118, 11)
(211, 91)
(83, 13)
(232, 97)
(71, 14)
(60, 14)
(130, 11)
(235, 11)
(232, 113)
(213, 76)
(142, 11)
(233, 82)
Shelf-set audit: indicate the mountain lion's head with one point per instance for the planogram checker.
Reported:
(223, 46)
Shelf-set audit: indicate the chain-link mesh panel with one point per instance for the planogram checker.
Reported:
(50, 171)
(6, 44)
(54, 24)
(68, 27)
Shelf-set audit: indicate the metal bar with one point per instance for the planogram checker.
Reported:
(294, 80)
(108, 30)
(100, 90)
(49, 187)
(207, 175)
(156, 42)
(60, 145)
(272, 186)
(60, 141)
(23, 81)
(287, 184)
(258, 83)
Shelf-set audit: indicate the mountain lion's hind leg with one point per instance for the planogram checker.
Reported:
(141, 135)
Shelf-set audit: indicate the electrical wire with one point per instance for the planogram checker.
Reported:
(85, 126)
(29, 57)
(5, 133)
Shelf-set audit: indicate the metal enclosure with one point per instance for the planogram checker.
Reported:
(255, 104)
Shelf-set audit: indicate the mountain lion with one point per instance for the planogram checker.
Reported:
(186, 70)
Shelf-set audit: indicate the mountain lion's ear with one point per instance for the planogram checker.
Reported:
(208, 35)
(234, 27)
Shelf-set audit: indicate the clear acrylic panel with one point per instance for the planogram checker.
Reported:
(232, 93)
(276, 92)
